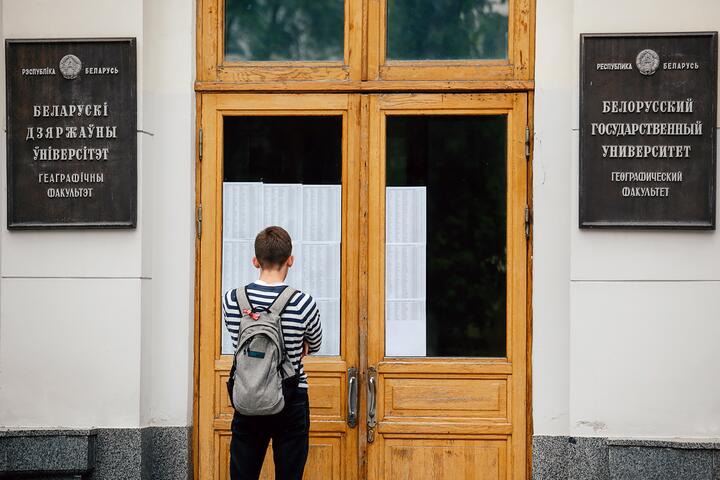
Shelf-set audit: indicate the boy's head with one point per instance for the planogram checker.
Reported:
(273, 249)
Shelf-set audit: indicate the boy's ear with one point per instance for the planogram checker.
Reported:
(290, 261)
(255, 262)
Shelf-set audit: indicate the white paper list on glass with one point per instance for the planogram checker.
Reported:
(406, 215)
(312, 216)
(322, 206)
(320, 272)
(282, 206)
(405, 271)
(330, 321)
(242, 215)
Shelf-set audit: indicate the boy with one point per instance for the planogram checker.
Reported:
(302, 332)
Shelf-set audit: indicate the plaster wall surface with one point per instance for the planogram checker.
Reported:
(551, 217)
(75, 253)
(624, 322)
(633, 354)
(69, 352)
(169, 153)
(96, 326)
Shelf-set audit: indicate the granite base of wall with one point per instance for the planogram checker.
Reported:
(151, 453)
(592, 458)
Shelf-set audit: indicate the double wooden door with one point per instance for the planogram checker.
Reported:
(401, 208)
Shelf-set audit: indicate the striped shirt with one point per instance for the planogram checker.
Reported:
(300, 320)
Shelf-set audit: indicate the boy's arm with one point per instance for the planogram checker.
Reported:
(313, 330)
(231, 314)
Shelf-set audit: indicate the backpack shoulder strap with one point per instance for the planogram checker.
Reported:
(276, 309)
(243, 304)
(281, 301)
(242, 299)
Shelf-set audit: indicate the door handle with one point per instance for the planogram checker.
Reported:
(371, 403)
(352, 397)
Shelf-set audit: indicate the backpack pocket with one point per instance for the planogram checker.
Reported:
(257, 388)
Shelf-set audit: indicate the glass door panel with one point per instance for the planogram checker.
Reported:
(286, 171)
(445, 261)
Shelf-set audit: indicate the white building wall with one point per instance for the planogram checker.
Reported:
(96, 325)
(636, 353)
(551, 217)
(169, 115)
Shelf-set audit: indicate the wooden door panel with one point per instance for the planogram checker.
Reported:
(445, 398)
(222, 449)
(325, 458)
(223, 407)
(422, 458)
(327, 396)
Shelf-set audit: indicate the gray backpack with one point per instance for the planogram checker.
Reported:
(262, 378)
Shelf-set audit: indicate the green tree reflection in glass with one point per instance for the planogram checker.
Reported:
(447, 29)
(276, 30)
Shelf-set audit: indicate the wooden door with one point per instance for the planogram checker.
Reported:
(446, 414)
(446, 385)
(441, 411)
(333, 442)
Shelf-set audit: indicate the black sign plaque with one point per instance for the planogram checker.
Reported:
(647, 130)
(71, 133)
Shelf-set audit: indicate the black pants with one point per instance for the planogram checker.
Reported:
(289, 433)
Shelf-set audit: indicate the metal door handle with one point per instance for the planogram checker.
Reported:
(372, 397)
(352, 397)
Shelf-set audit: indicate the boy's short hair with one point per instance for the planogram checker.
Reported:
(273, 246)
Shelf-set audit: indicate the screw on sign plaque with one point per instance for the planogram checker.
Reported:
(72, 133)
(647, 130)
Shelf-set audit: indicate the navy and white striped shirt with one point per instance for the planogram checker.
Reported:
(300, 320)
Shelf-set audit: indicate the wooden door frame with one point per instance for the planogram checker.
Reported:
(212, 67)
(364, 68)
(359, 72)
(363, 293)
(518, 66)
(362, 276)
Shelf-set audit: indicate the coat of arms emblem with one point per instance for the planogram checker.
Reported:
(647, 61)
(70, 66)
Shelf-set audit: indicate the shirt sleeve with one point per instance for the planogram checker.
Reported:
(231, 315)
(313, 328)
